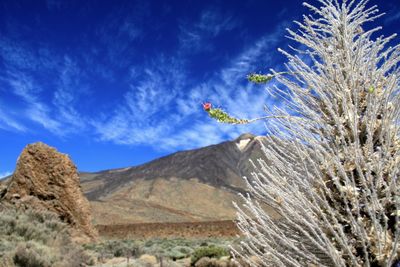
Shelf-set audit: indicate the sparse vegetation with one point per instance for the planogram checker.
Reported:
(37, 239)
(171, 249)
(210, 252)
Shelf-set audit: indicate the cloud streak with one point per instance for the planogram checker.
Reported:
(392, 17)
(24, 87)
(5, 174)
(65, 96)
(198, 36)
(155, 102)
(24, 74)
(145, 113)
(9, 123)
(163, 109)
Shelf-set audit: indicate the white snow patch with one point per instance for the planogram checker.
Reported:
(120, 170)
(243, 143)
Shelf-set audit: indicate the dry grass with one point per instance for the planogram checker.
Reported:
(37, 239)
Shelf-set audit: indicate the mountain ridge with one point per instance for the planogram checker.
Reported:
(192, 185)
(202, 156)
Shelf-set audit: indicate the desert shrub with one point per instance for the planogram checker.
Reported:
(29, 225)
(37, 238)
(210, 251)
(6, 261)
(149, 243)
(179, 252)
(125, 248)
(115, 248)
(76, 257)
(169, 249)
(90, 246)
(30, 255)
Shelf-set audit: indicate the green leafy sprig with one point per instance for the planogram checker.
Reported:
(221, 116)
(259, 78)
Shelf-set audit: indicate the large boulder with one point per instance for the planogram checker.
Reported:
(47, 179)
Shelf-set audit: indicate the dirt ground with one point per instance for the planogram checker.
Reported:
(164, 230)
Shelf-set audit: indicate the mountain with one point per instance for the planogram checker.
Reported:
(187, 186)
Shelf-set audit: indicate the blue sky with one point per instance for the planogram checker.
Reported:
(118, 83)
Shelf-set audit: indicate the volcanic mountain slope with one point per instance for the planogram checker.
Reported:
(194, 185)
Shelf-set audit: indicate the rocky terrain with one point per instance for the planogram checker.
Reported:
(147, 214)
(47, 180)
(188, 186)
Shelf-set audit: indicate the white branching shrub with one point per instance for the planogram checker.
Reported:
(332, 168)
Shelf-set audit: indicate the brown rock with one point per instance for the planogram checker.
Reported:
(47, 179)
(3, 189)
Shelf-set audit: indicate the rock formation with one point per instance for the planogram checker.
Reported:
(47, 179)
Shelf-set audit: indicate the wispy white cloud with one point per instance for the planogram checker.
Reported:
(248, 61)
(69, 86)
(49, 85)
(392, 17)
(158, 88)
(117, 37)
(40, 114)
(162, 110)
(119, 32)
(203, 133)
(161, 106)
(5, 174)
(147, 111)
(229, 91)
(212, 22)
(19, 55)
(24, 87)
(24, 70)
(8, 122)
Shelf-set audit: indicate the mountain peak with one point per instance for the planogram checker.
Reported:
(192, 185)
(243, 140)
(245, 136)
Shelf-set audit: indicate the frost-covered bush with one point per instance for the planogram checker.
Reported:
(333, 163)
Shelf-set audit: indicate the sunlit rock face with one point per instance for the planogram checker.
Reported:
(46, 179)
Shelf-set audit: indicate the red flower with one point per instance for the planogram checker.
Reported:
(207, 106)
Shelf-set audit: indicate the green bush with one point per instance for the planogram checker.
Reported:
(210, 251)
(179, 252)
